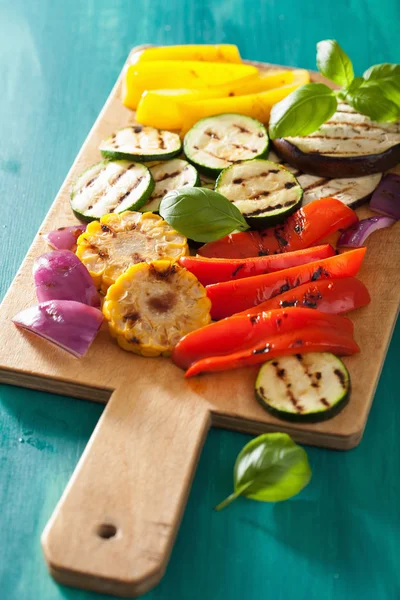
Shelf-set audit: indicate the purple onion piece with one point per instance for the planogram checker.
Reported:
(64, 238)
(386, 197)
(60, 275)
(68, 324)
(355, 236)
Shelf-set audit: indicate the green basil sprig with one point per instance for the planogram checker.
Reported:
(376, 94)
(270, 468)
(201, 214)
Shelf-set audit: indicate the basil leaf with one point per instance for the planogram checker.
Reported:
(201, 214)
(370, 101)
(334, 63)
(270, 468)
(303, 111)
(387, 77)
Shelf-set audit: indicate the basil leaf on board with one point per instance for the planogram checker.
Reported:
(334, 63)
(303, 111)
(370, 101)
(201, 214)
(387, 77)
(270, 468)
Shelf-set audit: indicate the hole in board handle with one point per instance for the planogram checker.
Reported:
(106, 531)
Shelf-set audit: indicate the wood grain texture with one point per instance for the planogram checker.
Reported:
(337, 540)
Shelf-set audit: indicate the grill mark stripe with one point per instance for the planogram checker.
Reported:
(343, 138)
(134, 185)
(316, 184)
(169, 176)
(161, 142)
(282, 376)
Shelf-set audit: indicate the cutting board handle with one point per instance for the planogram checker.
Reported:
(116, 522)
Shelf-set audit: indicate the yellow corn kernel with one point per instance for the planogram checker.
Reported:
(200, 52)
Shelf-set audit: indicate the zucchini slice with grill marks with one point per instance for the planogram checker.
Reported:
(215, 143)
(264, 192)
(307, 387)
(110, 187)
(169, 176)
(138, 142)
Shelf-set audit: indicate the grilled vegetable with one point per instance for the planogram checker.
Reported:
(335, 296)
(137, 142)
(240, 333)
(215, 270)
(70, 325)
(151, 306)
(183, 74)
(217, 142)
(226, 53)
(312, 339)
(348, 145)
(231, 297)
(110, 187)
(355, 236)
(304, 228)
(109, 247)
(386, 198)
(308, 387)
(64, 238)
(352, 191)
(264, 192)
(169, 176)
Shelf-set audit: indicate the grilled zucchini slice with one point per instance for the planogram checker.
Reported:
(151, 306)
(169, 176)
(215, 143)
(110, 187)
(264, 192)
(308, 387)
(110, 246)
(141, 143)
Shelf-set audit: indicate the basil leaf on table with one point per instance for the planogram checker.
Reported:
(387, 77)
(201, 214)
(270, 468)
(303, 111)
(369, 100)
(334, 63)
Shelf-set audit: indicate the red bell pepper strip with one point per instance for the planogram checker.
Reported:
(306, 227)
(230, 297)
(335, 296)
(240, 333)
(312, 339)
(214, 270)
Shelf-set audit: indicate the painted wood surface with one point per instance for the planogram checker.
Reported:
(53, 431)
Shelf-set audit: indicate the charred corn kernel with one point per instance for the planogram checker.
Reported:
(110, 246)
(160, 74)
(161, 108)
(256, 105)
(151, 306)
(227, 53)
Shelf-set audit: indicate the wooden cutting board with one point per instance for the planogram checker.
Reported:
(115, 524)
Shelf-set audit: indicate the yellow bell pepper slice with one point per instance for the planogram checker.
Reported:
(160, 74)
(161, 108)
(228, 53)
(256, 105)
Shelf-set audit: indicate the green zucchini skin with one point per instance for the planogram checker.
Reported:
(299, 417)
(251, 141)
(110, 155)
(267, 179)
(126, 144)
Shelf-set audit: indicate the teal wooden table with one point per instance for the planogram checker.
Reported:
(339, 539)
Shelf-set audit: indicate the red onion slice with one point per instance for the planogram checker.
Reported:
(64, 238)
(386, 197)
(60, 275)
(355, 236)
(68, 324)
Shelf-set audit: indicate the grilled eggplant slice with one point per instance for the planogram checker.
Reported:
(152, 306)
(110, 187)
(264, 192)
(308, 387)
(348, 145)
(352, 191)
(215, 143)
(141, 143)
(110, 246)
(169, 176)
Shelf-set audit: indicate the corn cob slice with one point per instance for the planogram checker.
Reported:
(151, 306)
(110, 246)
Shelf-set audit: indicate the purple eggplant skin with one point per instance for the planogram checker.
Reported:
(60, 275)
(386, 197)
(329, 166)
(69, 325)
